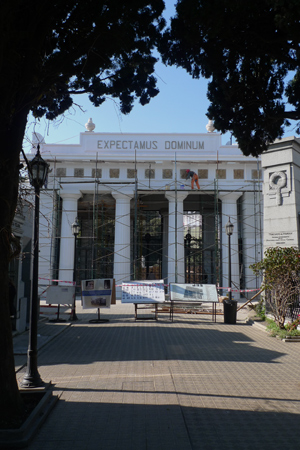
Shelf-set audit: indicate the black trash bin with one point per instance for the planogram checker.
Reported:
(230, 308)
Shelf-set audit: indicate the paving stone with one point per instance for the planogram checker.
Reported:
(187, 385)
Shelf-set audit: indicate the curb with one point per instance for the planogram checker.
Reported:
(21, 437)
(256, 324)
(291, 339)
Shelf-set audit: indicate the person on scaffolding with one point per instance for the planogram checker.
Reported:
(193, 176)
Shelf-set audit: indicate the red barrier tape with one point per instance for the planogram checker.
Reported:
(155, 284)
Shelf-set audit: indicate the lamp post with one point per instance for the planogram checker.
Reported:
(37, 171)
(229, 230)
(148, 239)
(188, 238)
(75, 232)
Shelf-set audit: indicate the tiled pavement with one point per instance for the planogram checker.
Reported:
(146, 385)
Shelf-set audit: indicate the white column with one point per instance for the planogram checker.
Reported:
(67, 240)
(176, 240)
(122, 239)
(229, 209)
(45, 236)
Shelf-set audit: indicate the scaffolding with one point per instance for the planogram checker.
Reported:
(149, 214)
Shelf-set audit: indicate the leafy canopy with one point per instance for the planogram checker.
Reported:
(54, 49)
(248, 50)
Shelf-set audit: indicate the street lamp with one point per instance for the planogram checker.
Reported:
(37, 171)
(75, 231)
(148, 239)
(229, 230)
(188, 238)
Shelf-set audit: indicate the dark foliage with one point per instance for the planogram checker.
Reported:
(58, 48)
(246, 50)
(49, 51)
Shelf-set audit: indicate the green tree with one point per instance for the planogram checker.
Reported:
(280, 269)
(248, 51)
(49, 51)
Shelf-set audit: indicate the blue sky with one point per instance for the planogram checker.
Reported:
(180, 107)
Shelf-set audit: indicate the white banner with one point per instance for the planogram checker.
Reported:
(60, 295)
(193, 292)
(143, 291)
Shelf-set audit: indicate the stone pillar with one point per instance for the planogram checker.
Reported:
(281, 164)
(176, 249)
(67, 240)
(229, 209)
(122, 239)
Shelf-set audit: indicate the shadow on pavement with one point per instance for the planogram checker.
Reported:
(85, 344)
(163, 427)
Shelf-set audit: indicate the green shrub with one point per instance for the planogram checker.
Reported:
(260, 310)
(273, 328)
(282, 333)
(294, 333)
(280, 269)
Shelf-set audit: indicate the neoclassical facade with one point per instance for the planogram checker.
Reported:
(138, 215)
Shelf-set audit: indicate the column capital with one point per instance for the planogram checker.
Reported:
(71, 195)
(229, 197)
(123, 196)
(171, 196)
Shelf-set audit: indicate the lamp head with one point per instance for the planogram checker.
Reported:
(38, 170)
(229, 228)
(75, 228)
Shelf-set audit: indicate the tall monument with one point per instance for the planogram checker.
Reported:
(281, 164)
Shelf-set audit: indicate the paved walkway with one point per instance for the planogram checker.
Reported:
(146, 385)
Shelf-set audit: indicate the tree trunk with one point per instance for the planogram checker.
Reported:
(280, 322)
(12, 133)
